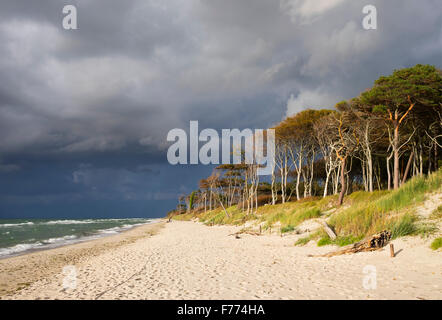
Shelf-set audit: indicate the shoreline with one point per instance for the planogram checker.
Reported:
(188, 260)
(75, 241)
(17, 272)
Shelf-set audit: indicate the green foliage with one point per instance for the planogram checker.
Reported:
(339, 241)
(287, 229)
(368, 213)
(421, 83)
(191, 200)
(183, 217)
(404, 226)
(301, 124)
(437, 214)
(303, 241)
(217, 216)
(436, 244)
(379, 109)
(426, 229)
(292, 217)
(324, 242)
(369, 217)
(315, 235)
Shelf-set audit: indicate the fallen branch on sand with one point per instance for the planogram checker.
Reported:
(250, 232)
(329, 231)
(372, 243)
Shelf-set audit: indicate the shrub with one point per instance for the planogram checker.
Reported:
(436, 244)
(303, 241)
(404, 226)
(288, 228)
(369, 217)
(324, 242)
(437, 214)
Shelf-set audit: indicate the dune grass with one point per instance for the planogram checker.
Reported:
(319, 234)
(363, 214)
(292, 217)
(437, 213)
(287, 229)
(387, 212)
(339, 241)
(436, 244)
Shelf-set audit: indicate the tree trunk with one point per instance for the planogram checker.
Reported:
(326, 184)
(298, 178)
(274, 194)
(312, 173)
(370, 172)
(343, 182)
(396, 154)
(364, 178)
(388, 172)
(421, 161)
(408, 167)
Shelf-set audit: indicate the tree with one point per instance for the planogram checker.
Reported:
(397, 95)
(346, 142)
(369, 129)
(324, 130)
(299, 148)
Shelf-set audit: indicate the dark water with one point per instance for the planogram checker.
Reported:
(20, 236)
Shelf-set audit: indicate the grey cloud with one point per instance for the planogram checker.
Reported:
(136, 69)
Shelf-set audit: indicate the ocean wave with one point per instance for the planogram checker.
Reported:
(60, 239)
(89, 221)
(69, 239)
(6, 225)
(42, 244)
(119, 229)
(69, 222)
(19, 248)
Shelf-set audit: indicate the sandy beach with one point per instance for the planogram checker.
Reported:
(187, 260)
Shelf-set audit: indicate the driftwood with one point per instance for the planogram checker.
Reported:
(392, 253)
(329, 231)
(372, 243)
(250, 232)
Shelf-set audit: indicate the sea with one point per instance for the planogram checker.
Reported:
(22, 236)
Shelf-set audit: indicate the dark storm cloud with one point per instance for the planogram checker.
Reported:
(135, 69)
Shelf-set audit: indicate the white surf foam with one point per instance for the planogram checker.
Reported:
(6, 225)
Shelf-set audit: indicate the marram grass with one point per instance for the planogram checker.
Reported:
(436, 244)
(364, 218)
(367, 213)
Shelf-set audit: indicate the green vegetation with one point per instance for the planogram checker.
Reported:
(369, 217)
(437, 214)
(339, 241)
(313, 236)
(303, 241)
(426, 229)
(191, 200)
(436, 244)
(292, 217)
(287, 229)
(403, 226)
(367, 213)
(218, 216)
(387, 138)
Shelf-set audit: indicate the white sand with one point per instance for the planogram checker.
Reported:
(187, 260)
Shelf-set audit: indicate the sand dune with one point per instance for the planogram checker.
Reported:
(187, 260)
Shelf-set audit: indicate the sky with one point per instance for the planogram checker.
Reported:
(84, 114)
